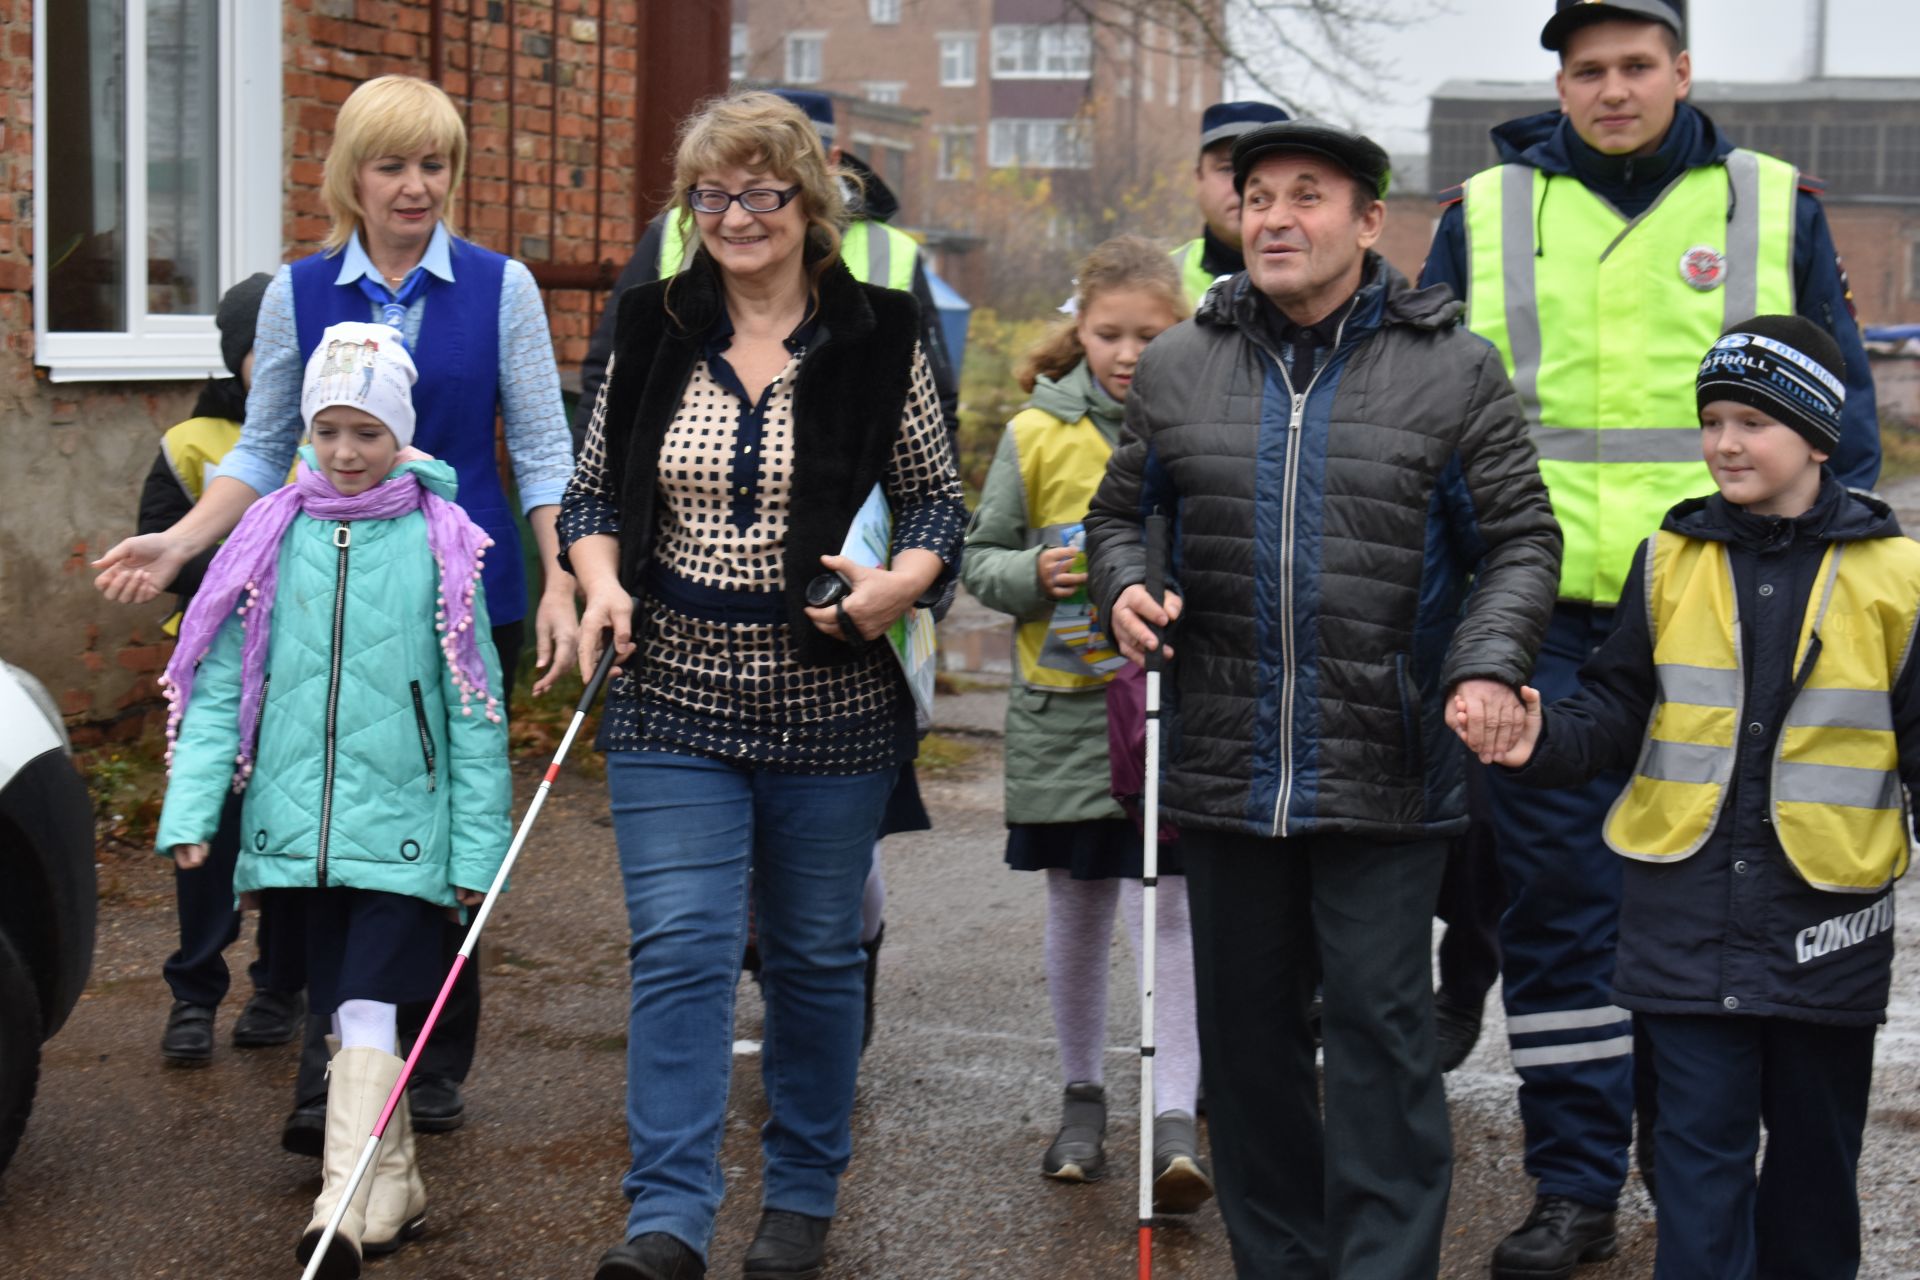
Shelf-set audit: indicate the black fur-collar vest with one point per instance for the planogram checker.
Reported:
(850, 396)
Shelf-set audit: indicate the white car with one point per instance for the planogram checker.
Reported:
(47, 890)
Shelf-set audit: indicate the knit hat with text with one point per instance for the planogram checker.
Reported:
(1787, 367)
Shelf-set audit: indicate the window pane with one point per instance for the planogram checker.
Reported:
(86, 183)
(183, 144)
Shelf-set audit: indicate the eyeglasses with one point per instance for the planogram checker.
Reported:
(758, 200)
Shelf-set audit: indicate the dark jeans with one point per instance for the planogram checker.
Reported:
(1472, 897)
(1721, 1079)
(1362, 1194)
(449, 1055)
(210, 923)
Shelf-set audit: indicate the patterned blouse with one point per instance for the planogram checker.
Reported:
(716, 674)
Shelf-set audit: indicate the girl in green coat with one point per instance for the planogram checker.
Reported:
(336, 667)
(1024, 557)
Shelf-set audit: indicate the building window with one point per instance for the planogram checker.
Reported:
(806, 52)
(957, 149)
(1902, 160)
(885, 13)
(1848, 158)
(1059, 51)
(163, 114)
(959, 59)
(886, 91)
(738, 52)
(1038, 144)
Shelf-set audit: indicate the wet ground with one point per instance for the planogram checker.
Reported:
(132, 1169)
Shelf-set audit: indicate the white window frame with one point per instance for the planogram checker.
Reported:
(885, 92)
(175, 347)
(796, 39)
(1016, 143)
(950, 139)
(1059, 51)
(962, 50)
(885, 13)
(739, 51)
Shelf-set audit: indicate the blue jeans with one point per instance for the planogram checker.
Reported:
(692, 832)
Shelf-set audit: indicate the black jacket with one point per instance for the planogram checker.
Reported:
(1730, 922)
(848, 406)
(1323, 548)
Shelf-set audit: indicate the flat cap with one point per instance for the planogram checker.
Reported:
(1355, 152)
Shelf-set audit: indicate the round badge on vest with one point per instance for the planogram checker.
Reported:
(1703, 267)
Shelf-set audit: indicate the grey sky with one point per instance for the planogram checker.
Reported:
(1742, 40)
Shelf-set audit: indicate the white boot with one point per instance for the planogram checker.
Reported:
(358, 1082)
(397, 1212)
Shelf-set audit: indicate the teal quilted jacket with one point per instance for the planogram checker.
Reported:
(393, 789)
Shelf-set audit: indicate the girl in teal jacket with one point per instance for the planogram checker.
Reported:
(336, 667)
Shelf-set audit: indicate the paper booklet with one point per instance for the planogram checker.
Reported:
(870, 543)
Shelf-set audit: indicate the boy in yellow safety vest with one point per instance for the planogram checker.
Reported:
(1760, 686)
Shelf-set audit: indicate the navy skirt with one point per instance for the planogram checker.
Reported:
(356, 944)
(1098, 849)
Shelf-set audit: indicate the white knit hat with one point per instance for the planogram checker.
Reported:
(365, 366)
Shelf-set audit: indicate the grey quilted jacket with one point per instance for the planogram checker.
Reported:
(1346, 553)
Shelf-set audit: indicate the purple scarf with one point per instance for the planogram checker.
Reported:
(243, 576)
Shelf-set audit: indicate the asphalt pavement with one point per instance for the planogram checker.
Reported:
(132, 1169)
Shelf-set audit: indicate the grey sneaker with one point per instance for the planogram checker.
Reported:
(1181, 1182)
(1079, 1153)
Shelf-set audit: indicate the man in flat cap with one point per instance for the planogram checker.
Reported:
(1618, 239)
(1339, 460)
(1215, 252)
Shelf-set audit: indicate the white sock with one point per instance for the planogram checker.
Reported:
(367, 1024)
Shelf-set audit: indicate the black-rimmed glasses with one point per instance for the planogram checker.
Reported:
(756, 200)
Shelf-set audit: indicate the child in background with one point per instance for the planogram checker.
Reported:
(337, 667)
(1760, 684)
(196, 973)
(1024, 556)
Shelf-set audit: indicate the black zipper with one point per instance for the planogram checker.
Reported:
(342, 538)
(426, 739)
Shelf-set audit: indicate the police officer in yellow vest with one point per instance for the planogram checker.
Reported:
(1215, 252)
(875, 252)
(1618, 239)
(1760, 684)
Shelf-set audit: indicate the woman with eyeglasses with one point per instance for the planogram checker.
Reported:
(753, 403)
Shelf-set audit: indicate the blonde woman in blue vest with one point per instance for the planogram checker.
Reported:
(1759, 685)
(1025, 557)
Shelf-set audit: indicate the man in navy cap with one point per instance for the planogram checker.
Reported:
(1616, 241)
(1215, 252)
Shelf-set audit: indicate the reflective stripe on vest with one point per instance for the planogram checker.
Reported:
(1194, 276)
(1836, 799)
(874, 252)
(1602, 322)
(1061, 464)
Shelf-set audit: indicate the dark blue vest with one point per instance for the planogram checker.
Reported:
(457, 397)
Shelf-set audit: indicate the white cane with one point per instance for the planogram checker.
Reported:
(1149, 882)
(319, 1255)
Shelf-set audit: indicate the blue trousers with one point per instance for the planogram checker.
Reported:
(210, 923)
(1720, 1080)
(691, 831)
(1572, 1047)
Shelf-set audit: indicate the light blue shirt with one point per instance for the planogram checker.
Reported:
(539, 444)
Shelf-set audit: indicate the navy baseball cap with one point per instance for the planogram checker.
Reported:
(1225, 121)
(818, 107)
(1355, 152)
(1570, 15)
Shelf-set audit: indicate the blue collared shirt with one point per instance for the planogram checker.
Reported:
(538, 443)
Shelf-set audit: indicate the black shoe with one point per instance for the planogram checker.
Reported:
(305, 1130)
(1457, 1028)
(188, 1039)
(1557, 1236)
(1078, 1153)
(1181, 1183)
(653, 1256)
(437, 1104)
(270, 1018)
(788, 1246)
(873, 977)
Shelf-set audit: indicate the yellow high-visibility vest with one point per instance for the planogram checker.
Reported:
(1602, 321)
(875, 252)
(1836, 798)
(1194, 277)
